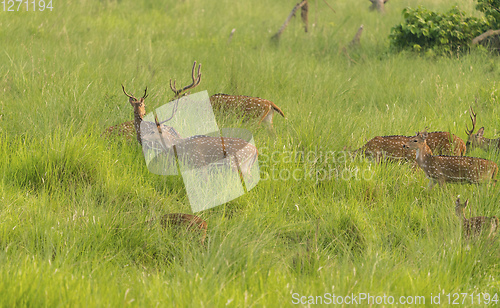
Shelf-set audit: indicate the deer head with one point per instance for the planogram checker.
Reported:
(139, 111)
(138, 104)
(460, 208)
(477, 140)
(474, 140)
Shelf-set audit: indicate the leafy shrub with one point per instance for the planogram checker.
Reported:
(491, 10)
(423, 29)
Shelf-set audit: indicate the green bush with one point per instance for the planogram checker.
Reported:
(449, 32)
(423, 29)
(491, 9)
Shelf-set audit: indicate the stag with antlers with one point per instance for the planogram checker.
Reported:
(441, 169)
(477, 140)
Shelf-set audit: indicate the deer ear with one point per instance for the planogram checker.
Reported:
(423, 134)
(466, 203)
(458, 201)
(480, 132)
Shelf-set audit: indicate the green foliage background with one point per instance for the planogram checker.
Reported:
(75, 207)
(443, 33)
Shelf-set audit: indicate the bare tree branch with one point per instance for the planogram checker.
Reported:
(292, 13)
(480, 38)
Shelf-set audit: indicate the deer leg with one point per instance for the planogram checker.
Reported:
(432, 183)
(378, 157)
(441, 182)
(267, 116)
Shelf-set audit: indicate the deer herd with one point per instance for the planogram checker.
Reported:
(441, 155)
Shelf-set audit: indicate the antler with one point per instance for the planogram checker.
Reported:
(472, 115)
(133, 97)
(196, 81)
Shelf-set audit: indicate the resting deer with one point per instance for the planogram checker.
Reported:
(196, 151)
(474, 226)
(477, 140)
(250, 106)
(128, 128)
(391, 147)
(190, 222)
(443, 169)
(200, 151)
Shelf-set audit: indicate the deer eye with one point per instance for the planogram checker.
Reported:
(414, 140)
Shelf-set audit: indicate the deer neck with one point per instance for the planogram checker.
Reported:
(423, 155)
(138, 115)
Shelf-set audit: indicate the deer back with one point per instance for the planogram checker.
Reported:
(445, 143)
(460, 168)
(476, 226)
(199, 151)
(251, 106)
(390, 147)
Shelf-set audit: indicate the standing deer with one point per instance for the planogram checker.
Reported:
(474, 226)
(391, 147)
(443, 169)
(477, 140)
(249, 106)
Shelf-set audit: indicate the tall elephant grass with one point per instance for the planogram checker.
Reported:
(78, 221)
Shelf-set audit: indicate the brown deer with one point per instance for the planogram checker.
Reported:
(443, 169)
(200, 150)
(391, 147)
(475, 226)
(477, 140)
(249, 106)
(188, 221)
(129, 128)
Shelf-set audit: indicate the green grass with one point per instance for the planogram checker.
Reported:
(75, 207)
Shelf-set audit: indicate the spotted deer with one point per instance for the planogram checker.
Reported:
(475, 226)
(391, 147)
(441, 169)
(188, 221)
(249, 106)
(253, 107)
(129, 128)
(477, 140)
(200, 150)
